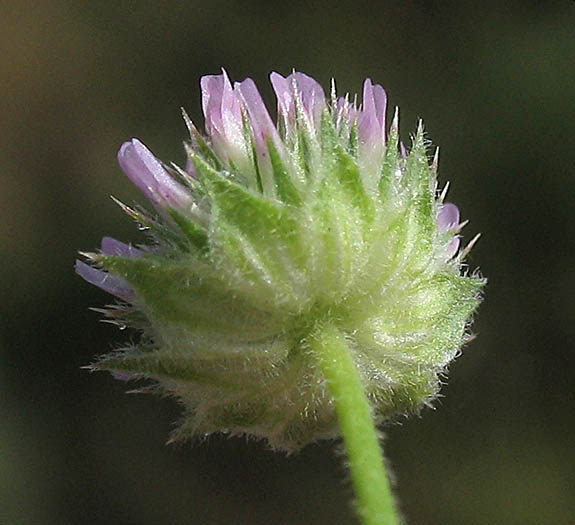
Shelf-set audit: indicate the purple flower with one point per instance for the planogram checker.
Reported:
(371, 127)
(222, 107)
(240, 132)
(371, 118)
(102, 279)
(263, 129)
(448, 219)
(262, 124)
(109, 283)
(282, 237)
(298, 88)
(148, 173)
(111, 246)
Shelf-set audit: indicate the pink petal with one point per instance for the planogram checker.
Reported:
(212, 92)
(284, 93)
(110, 246)
(371, 121)
(146, 172)
(448, 217)
(221, 105)
(109, 283)
(312, 95)
(453, 246)
(303, 86)
(262, 124)
(380, 101)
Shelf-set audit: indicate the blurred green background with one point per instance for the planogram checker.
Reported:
(495, 84)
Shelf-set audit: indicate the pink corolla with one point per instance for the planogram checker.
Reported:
(298, 89)
(110, 283)
(448, 219)
(148, 173)
(224, 122)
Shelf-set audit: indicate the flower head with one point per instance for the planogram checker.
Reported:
(272, 229)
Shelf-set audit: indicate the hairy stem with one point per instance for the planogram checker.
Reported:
(374, 499)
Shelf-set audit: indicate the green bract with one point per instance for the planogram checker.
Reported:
(270, 234)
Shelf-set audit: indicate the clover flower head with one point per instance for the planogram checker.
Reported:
(270, 231)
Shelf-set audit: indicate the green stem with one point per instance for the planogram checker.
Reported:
(373, 492)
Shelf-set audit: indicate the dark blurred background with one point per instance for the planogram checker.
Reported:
(495, 84)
